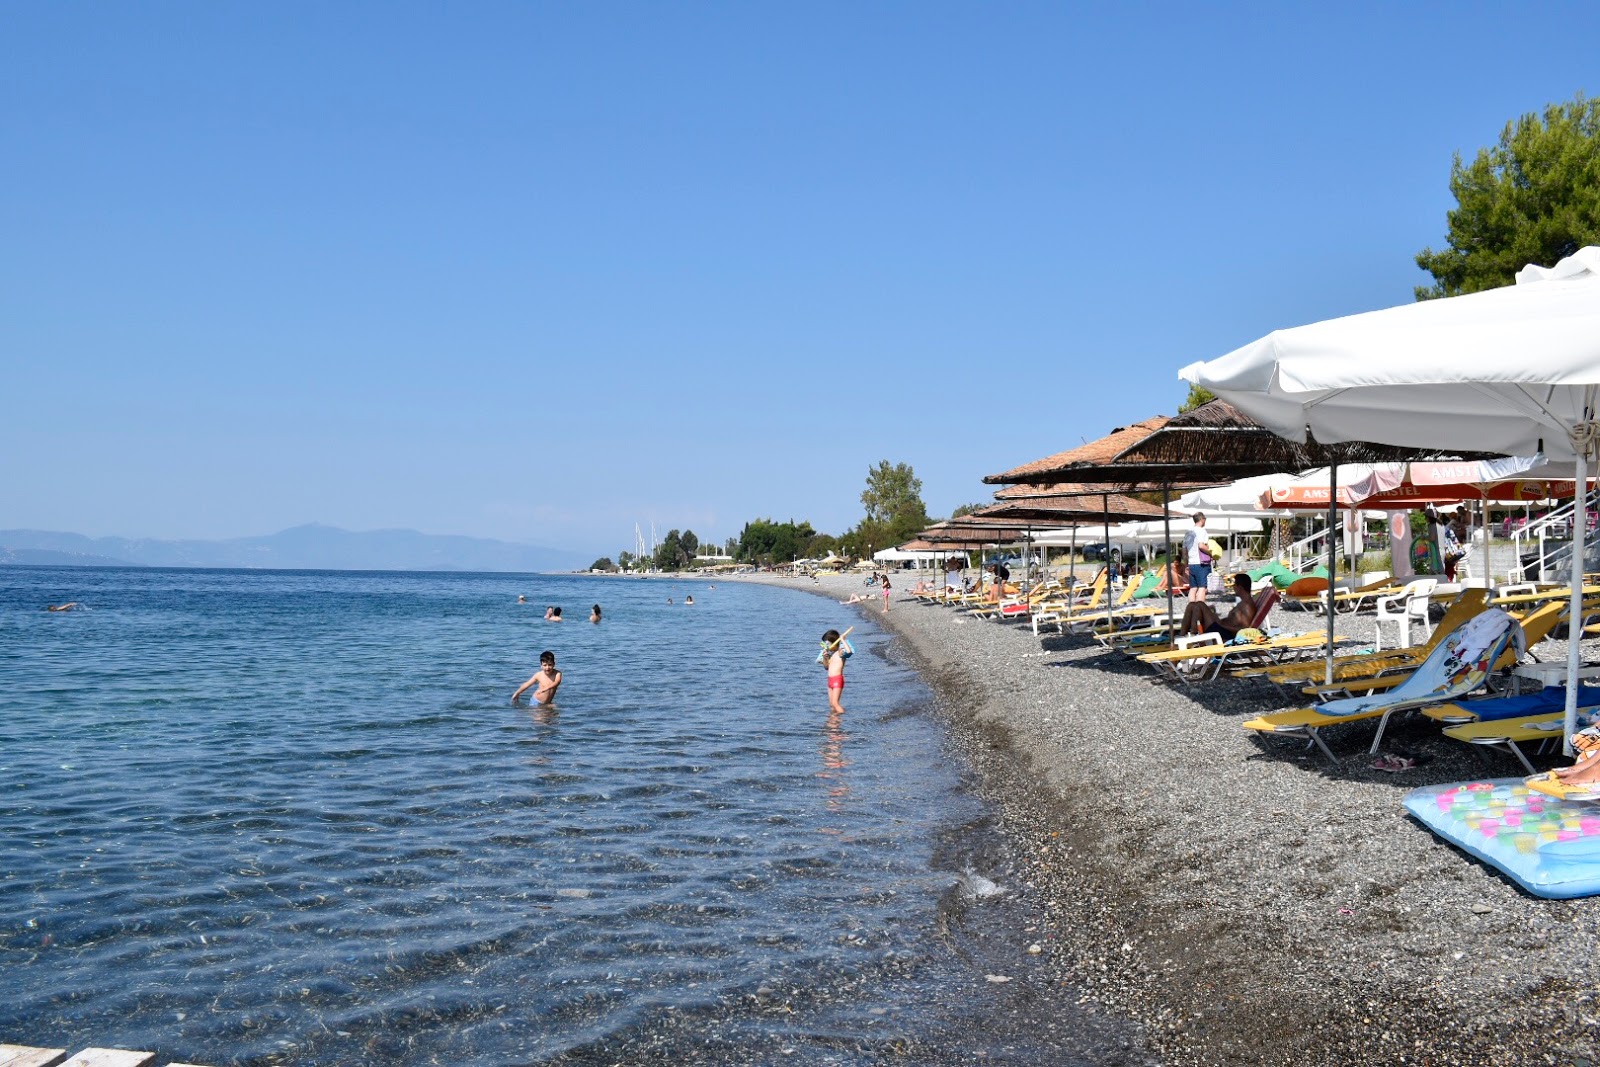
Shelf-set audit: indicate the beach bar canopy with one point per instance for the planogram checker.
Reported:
(1514, 370)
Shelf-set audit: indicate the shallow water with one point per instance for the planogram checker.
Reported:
(264, 817)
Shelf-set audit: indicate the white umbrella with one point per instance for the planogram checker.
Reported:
(1237, 498)
(1514, 370)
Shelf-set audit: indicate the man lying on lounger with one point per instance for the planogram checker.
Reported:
(1200, 618)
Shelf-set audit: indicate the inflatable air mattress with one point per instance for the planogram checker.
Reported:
(1549, 847)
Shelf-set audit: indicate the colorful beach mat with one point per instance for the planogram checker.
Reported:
(1549, 847)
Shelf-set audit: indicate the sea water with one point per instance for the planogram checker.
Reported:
(293, 817)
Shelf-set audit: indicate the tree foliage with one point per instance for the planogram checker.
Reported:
(1532, 198)
(765, 541)
(965, 509)
(895, 511)
(1196, 397)
(892, 489)
(625, 560)
(603, 564)
(670, 554)
(690, 543)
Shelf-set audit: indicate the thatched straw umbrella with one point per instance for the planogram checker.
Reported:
(1212, 444)
(1061, 510)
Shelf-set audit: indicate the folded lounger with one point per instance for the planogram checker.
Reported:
(1460, 663)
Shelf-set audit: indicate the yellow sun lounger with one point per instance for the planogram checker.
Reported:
(1508, 734)
(1208, 660)
(1460, 663)
(1536, 626)
(1468, 604)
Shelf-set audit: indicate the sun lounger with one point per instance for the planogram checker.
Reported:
(1536, 626)
(1143, 646)
(1459, 664)
(1208, 660)
(1471, 602)
(1508, 735)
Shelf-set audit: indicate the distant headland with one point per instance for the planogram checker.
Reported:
(309, 547)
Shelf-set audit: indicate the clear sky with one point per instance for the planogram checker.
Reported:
(542, 271)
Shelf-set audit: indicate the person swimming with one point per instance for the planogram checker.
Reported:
(552, 614)
(68, 606)
(689, 599)
(594, 616)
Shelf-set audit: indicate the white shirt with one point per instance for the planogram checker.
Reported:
(1191, 545)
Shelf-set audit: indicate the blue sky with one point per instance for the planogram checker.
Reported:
(539, 272)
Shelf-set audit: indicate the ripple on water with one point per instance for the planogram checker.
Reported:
(276, 817)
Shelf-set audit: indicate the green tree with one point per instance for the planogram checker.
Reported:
(765, 541)
(1532, 198)
(891, 489)
(691, 543)
(603, 564)
(965, 509)
(895, 511)
(625, 560)
(1196, 397)
(669, 553)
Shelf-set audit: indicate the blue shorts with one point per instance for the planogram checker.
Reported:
(1199, 574)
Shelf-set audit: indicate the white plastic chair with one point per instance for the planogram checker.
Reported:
(1408, 605)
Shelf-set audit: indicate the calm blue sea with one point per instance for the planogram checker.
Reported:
(292, 817)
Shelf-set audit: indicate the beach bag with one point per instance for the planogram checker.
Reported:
(1211, 550)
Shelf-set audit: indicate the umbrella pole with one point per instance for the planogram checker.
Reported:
(1072, 560)
(1333, 561)
(1166, 531)
(1580, 529)
(1105, 518)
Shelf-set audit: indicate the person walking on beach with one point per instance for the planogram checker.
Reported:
(833, 654)
(548, 680)
(1198, 558)
(883, 584)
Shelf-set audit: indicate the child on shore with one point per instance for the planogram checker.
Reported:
(548, 681)
(833, 655)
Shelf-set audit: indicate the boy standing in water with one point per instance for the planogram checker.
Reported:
(548, 681)
(833, 655)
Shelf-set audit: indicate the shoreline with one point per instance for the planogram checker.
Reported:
(1243, 902)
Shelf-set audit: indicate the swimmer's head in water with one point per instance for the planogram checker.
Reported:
(555, 613)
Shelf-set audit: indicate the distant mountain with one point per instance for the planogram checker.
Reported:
(312, 547)
(44, 557)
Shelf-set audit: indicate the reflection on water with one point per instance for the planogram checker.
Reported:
(833, 761)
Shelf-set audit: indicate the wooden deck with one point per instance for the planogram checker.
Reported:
(24, 1056)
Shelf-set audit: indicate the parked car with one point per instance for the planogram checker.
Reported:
(1097, 551)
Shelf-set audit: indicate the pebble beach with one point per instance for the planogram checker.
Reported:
(1245, 900)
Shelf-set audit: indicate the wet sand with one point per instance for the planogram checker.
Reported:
(1244, 900)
